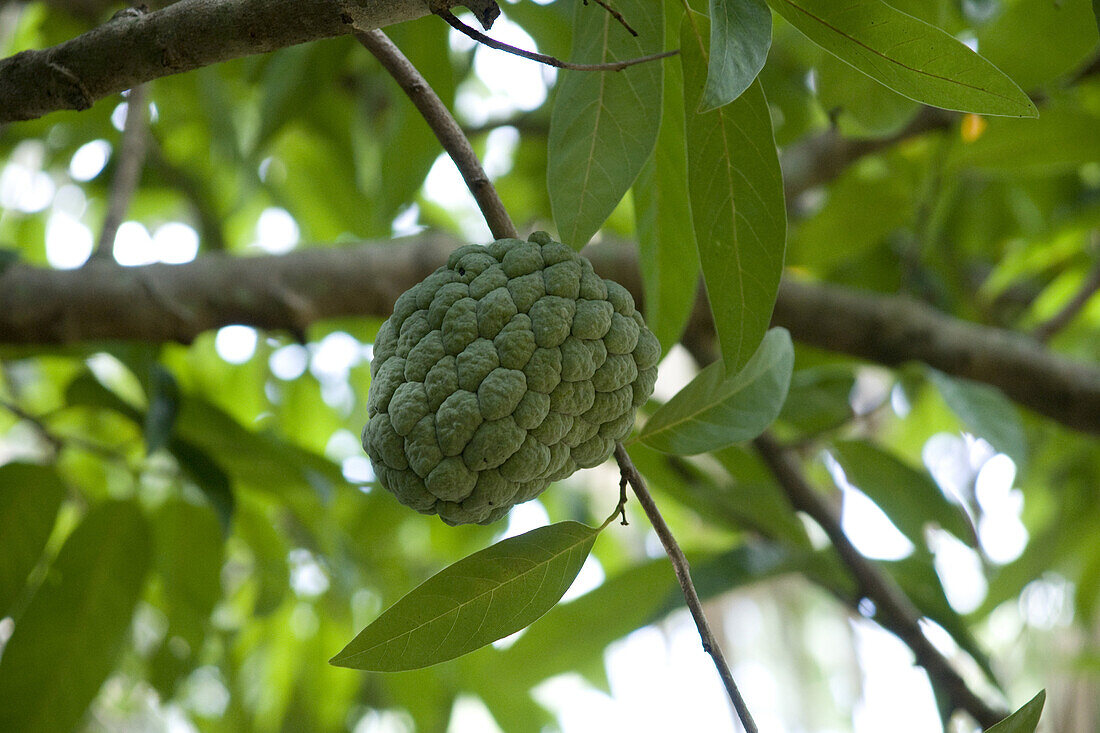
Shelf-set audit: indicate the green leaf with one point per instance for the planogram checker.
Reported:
(604, 124)
(740, 36)
(208, 476)
(909, 497)
(408, 145)
(1024, 720)
(666, 240)
(573, 633)
(474, 602)
(67, 641)
(915, 59)
(164, 395)
(713, 411)
(917, 577)
(29, 499)
(737, 203)
(986, 412)
(1060, 141)
(1059, 38)
(189, 546)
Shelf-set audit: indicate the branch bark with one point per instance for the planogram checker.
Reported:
(159, 303)
(129, 50)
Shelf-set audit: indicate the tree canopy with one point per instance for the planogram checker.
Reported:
(865, 235)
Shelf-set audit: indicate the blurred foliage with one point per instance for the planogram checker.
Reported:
(186, 532)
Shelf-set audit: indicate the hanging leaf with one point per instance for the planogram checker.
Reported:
(666, 240)
(208, 476)
(909, 497)
(713, 411)
(1024, 720)
(736, 202)
(29, 499)
(474, 602)
(69, 638)
(740, 36)
(164, 397)
(604, 124)
(915, 59)
(986, 412)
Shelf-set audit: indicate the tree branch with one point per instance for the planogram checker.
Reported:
(631, 475)
(895, 611)
(128, 50)
(178, 302)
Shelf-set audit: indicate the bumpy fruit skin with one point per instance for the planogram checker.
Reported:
(509, 368)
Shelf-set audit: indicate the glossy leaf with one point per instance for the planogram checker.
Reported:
(713, 411)
(29, 499)
(740, 36)
(915, 59)
(666, 240)
(474, 602)
(736, 201)
(986, 412)
(1024, 720)
(68, 640)
(909, 497)
(604, 124)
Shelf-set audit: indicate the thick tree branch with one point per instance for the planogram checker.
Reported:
(130, 50)
(894, 609)
(178, 302)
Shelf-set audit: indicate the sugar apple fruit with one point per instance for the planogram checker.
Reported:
(510, 367)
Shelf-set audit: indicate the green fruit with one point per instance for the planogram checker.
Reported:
(510, 367)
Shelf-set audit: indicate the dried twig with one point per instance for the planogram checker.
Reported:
(680, 565)
(480, 37)
(895, 611)
(131, 159)
(444, 126)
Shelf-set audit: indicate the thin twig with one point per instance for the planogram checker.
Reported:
(897, 612)
(131, 159)
(616, 15)
(683, 574)
(1044, 331)
(480, 37)
(444, 126)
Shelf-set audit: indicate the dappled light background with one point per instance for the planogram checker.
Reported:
(314, 146)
